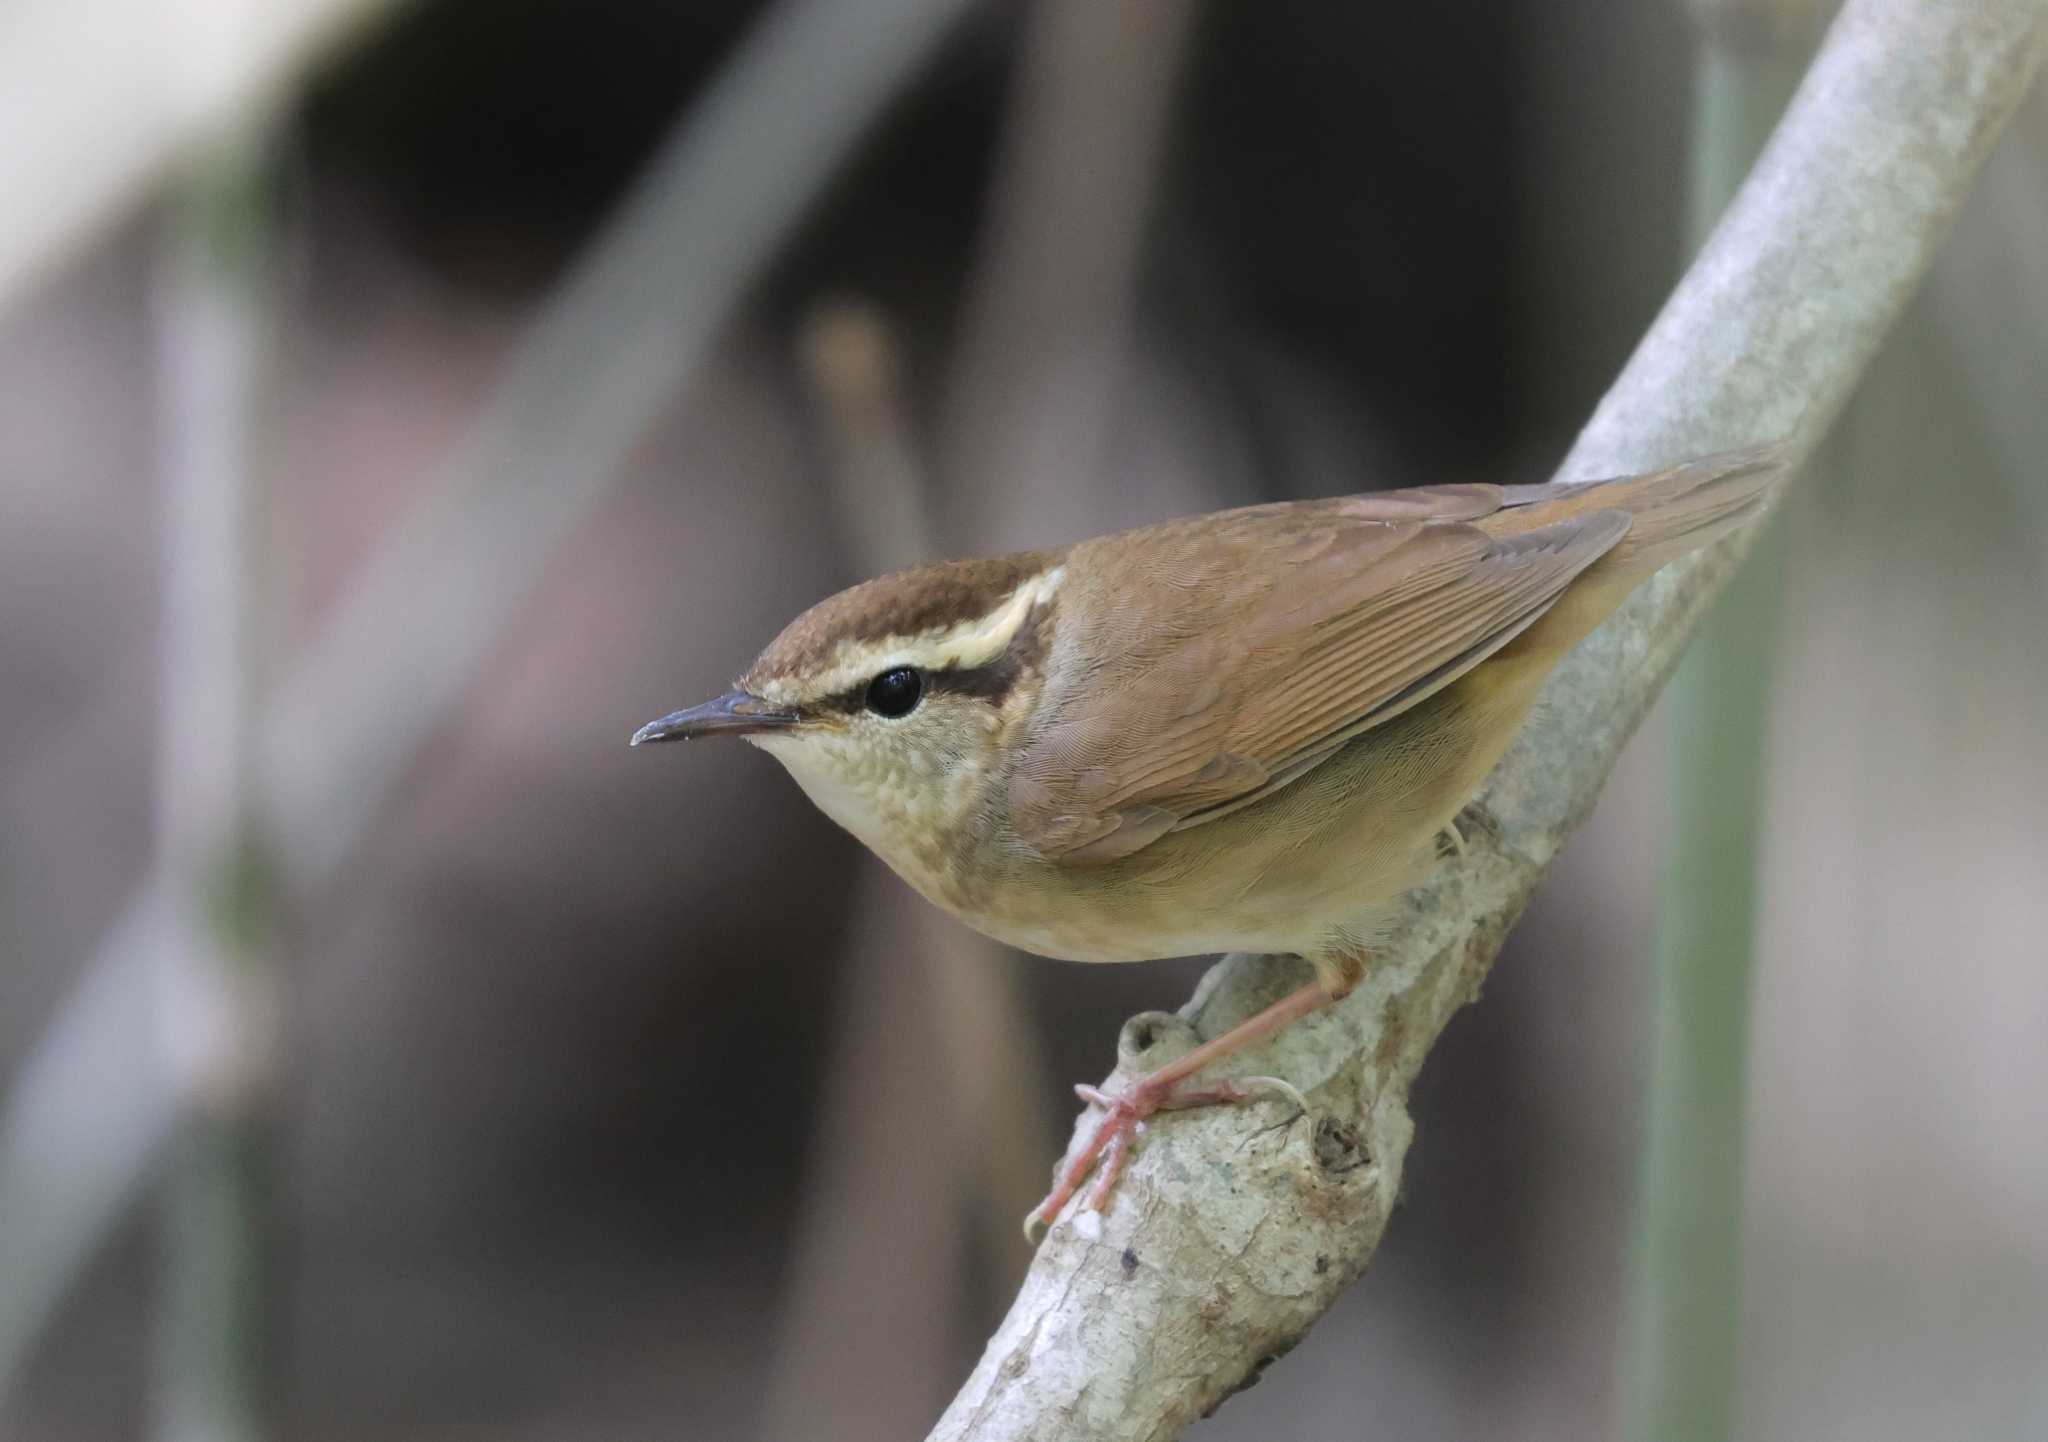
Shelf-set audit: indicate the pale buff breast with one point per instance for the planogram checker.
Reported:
(1318, 868)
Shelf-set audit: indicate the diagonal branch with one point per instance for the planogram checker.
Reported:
(1225, 1243)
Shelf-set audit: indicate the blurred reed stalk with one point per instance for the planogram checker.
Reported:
(1685, 1286)
(1045, 337)
(883, 500)
(1045, 332)
(873, 1303)
(1045, 345)
(216, 982)
(605, 354)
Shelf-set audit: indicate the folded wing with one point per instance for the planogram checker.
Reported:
(1284, 632)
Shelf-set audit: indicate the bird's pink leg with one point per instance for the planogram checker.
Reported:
(1124, 1113)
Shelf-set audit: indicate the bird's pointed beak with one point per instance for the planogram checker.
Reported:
(736, 713)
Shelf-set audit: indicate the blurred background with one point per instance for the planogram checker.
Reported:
(399, 404)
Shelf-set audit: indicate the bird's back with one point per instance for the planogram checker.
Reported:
(1255, 724)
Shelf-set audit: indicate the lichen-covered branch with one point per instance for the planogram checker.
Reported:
(1230, 1235)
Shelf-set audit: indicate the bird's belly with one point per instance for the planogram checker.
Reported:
(1191, 894)
(1124, 933)
(1317, 868)
(1297, 910)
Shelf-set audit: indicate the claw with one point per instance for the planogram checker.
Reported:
(1108, 1147)
(1281, 1085)
(1124, 1113)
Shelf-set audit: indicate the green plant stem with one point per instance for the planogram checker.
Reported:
(1686, 1275)
(213, 970)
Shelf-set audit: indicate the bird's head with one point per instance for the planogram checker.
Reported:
(893, 703)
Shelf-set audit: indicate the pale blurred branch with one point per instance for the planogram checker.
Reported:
(606, 353)
(610, 350)
(96, 100)
(1224, 1244)
(1685, 1270)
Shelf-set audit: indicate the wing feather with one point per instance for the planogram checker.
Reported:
(1299, 627)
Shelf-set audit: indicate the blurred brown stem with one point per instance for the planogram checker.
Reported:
(1046, 332)
(1220, 1250)
(991, 1059)
(1048, 305)
(875, 1295)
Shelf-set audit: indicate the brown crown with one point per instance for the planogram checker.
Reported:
(904, 603)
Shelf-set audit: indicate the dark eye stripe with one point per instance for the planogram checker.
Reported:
(841, 703)
(991, 682)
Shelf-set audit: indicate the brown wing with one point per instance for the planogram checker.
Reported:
(1259, 641)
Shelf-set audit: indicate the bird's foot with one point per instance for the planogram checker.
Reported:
(1456, 836)
(1124, 1115)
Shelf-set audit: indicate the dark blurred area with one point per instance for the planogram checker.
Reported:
(563, 1135)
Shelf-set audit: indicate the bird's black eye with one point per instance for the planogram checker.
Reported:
(895, 692)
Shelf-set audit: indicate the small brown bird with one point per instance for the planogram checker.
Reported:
(1234, 732)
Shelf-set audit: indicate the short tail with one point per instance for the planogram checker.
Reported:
(1672, 512)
